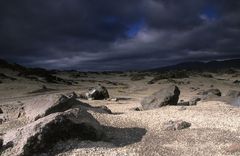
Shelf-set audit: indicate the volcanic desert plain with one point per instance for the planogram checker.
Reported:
(46, 113)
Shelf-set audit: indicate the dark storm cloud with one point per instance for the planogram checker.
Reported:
(115, 35)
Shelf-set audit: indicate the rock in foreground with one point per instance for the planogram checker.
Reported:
(41, 135)
(166, 96)
(45, 105)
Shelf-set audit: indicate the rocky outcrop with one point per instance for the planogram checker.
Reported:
(166, 96)
(39, 136)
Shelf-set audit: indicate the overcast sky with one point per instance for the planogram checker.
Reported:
(117, 34)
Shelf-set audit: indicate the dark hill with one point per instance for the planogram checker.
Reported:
(203, 66)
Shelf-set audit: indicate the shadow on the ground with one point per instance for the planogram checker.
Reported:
(124, 136)
(115, 137)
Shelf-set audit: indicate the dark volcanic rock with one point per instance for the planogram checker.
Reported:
(39, 136)
(175, 125)
(98, 93)
(166, 96)
(1, 111)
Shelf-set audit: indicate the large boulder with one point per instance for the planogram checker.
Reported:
(166, 96)
(39, 136)
(45, 105)
(98, 93)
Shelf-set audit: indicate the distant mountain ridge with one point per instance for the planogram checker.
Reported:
(12, 66)
(205, 66)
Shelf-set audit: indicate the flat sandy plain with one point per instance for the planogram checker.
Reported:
(215, 125)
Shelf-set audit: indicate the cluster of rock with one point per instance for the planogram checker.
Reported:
(62, 117)
(52, 119)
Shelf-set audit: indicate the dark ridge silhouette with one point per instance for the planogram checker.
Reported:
(202, 66)
(35, 73)
(196, 66)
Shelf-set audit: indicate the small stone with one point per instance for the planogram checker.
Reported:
(176, 125)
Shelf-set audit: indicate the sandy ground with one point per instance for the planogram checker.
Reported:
(215, 124)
